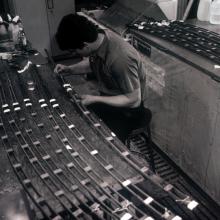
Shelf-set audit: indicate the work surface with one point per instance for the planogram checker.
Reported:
(68, 161)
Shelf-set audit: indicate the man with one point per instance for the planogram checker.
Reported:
(117, 66)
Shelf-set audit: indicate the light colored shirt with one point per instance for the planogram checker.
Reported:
(118, 66)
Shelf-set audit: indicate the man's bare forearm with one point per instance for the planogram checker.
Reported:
(82, 67)
(117, 101)
(130, 100)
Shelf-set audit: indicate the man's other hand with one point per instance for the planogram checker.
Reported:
(87, 99)
(60, 68)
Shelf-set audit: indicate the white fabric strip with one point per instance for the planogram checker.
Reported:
(109, 138)
(46, 157)
(126, 216)
(113, 134)
(149, 218)
(94, 152)
(75, 154)
(97, 125)
(177, 218)
(68, 147)
(86, 112)
(7, 110)
(66, 85)
(144, 169)
(87, 169)
(168, 187)
(5, 105)
(148, 200)
(81, 138)
(71, 126)
(140, 27)
(17, 109)
(55, 105)
(126, 182)
(41, 100)
(216, 66)
(58, 151)
(69, 89)
(43, 105)
(126, 153)
(109, 167)
(192, 205)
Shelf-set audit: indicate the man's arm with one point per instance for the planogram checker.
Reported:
(130, 100)
(82, 67)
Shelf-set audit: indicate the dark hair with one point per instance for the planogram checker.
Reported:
(74, 30)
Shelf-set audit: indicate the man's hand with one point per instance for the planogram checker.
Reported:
(88, 99)
(60, 68)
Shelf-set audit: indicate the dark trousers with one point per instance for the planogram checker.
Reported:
(120, 120)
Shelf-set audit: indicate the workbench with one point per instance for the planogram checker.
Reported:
(68, 162)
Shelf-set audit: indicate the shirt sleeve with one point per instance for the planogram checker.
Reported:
(125, 73)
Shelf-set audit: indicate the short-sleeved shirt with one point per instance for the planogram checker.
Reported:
(118, 66)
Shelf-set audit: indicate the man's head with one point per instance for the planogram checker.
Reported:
(77, 33)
